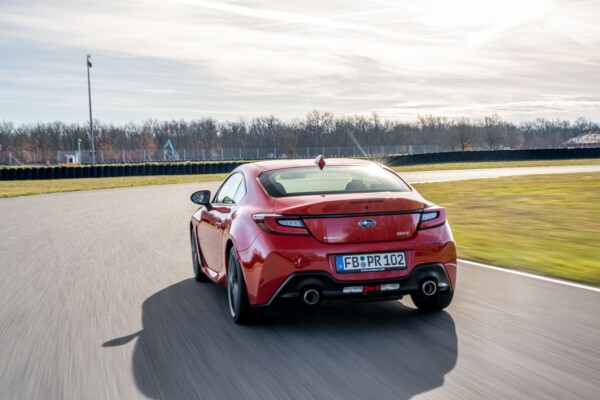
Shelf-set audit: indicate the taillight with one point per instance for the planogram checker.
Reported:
(432, 218)
(274, 223)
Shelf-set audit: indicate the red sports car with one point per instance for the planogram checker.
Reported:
(320, 231)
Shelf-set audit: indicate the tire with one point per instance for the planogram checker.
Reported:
(198, 274)
(237, 296)
(436, 302)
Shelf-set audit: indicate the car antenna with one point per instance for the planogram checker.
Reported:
(320, 161)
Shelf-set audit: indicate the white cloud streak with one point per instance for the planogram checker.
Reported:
(293, 18)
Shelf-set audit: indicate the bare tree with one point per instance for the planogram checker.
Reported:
(492, 131)
(41, 141)
(581, 125)
(465, 134)
(318, 124)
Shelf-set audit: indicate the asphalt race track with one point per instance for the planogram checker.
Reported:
(97, 301)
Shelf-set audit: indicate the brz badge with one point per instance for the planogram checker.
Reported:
(367, 223)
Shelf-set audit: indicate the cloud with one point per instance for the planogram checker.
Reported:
(551, 106)
(187, 58)
(298, 18)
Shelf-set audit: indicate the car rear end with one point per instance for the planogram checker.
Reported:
(347, 233)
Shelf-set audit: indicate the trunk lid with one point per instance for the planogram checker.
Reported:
(356, 218)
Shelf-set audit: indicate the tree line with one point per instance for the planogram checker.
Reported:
(39, 142)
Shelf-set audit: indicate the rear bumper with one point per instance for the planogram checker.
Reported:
(267, 270)
(331, 289)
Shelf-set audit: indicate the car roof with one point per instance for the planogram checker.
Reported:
(281, 164)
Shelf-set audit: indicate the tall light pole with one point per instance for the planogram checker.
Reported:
(89, 65)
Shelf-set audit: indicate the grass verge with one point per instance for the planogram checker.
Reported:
(547, 224)
(24, 188)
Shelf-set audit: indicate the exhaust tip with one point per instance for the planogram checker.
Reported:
(429, 288)
(311, 297)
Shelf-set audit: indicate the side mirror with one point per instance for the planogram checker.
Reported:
(201, 197)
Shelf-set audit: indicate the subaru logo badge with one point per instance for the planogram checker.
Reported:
(367, 223)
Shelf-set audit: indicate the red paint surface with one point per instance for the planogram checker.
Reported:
(268, 258)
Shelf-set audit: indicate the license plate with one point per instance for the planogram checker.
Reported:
(370, 262)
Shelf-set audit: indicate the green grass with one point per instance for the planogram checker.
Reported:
(548, 224)
(496, 164)
(24, 188)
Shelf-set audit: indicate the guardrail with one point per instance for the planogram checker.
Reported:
(493, 155)
(110, 171)
(191, 168)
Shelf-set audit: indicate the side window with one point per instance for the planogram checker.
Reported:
(241, 192)
(227, 192)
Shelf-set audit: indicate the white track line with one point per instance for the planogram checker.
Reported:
(542, 278)
(458, 179)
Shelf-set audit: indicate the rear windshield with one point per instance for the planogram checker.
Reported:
(330, 180)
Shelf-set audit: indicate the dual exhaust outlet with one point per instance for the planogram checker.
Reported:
(429, 287)
(312, 296)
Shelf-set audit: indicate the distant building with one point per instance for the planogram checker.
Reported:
(71, 158)
(590, 138)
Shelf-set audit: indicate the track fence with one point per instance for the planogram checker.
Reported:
(211, 167)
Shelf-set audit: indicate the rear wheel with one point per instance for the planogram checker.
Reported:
(237, 295)
(435, 302)
(198, 274)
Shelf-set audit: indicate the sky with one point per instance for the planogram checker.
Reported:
(191, 59)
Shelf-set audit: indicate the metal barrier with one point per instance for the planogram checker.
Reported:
(493, 155)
